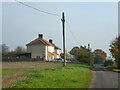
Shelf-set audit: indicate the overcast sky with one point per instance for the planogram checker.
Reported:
(90, 22)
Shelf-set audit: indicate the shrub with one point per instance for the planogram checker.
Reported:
(108, 63)
(110, 67)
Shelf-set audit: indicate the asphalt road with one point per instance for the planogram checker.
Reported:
(102, 78)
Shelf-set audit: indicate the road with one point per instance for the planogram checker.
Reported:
(102, 78)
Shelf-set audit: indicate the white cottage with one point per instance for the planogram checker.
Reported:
(42, 49)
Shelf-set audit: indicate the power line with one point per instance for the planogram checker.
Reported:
(37, 9)
(49, 14)
(72, 32)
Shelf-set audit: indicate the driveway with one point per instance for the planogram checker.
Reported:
(102, 78)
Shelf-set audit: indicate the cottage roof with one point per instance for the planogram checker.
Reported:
(51, 53)
(45, 42)
(56, 46)
(55, 53)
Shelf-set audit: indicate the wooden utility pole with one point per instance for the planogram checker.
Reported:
(63, 22)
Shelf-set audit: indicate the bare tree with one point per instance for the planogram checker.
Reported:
(19, 50)
(5, 49)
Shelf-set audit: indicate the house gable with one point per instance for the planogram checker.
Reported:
(42, 48)
(41, 40)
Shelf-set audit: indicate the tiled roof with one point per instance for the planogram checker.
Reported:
(55, 53)
(56, 47)
(42, 40)
(45, 42)
(50, 53)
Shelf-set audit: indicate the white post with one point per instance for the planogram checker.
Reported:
(46, 53)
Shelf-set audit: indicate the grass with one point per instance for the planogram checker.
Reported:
(83, 66)
(113, 69)
(99, 64)
(4, 72)
(12, 72)
(116, 70)
(72, 76)
(102, 64)
(8, 71)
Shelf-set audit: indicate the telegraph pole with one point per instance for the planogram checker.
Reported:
(63, 22)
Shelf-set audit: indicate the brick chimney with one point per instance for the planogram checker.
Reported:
(40, 36)
(88, 46)
(50, 40)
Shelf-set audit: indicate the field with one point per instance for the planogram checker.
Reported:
(45, 75)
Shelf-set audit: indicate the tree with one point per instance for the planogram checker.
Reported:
(11, 54)
(82, 54)
(5, 49)
(99, 56)
(74, 50)
(115, 50)
(108, 62)
(19, 50)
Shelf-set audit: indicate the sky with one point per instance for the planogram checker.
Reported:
(94, 23)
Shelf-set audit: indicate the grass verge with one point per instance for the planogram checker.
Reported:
(111, 68)
(8, 71)
(72, 76)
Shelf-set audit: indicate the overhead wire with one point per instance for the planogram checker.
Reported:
(37, 9)
(72, 33)
(50, 14)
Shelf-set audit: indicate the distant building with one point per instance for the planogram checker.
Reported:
(42, 49)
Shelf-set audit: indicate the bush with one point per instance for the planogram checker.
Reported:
(92, 66)
(83, 55)
(110, 67)
(108, 63)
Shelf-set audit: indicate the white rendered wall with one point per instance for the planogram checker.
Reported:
(46, 52)
(58, 52)
(51, 49)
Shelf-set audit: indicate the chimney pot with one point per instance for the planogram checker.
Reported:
(50, 40)
(40, 35)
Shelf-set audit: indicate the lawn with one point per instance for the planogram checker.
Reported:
(51, 76)
(116, 70)
(113, 69)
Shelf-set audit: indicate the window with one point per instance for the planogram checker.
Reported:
(38, 57)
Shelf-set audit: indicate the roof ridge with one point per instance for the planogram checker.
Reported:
(56, 46)
(45, 42)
